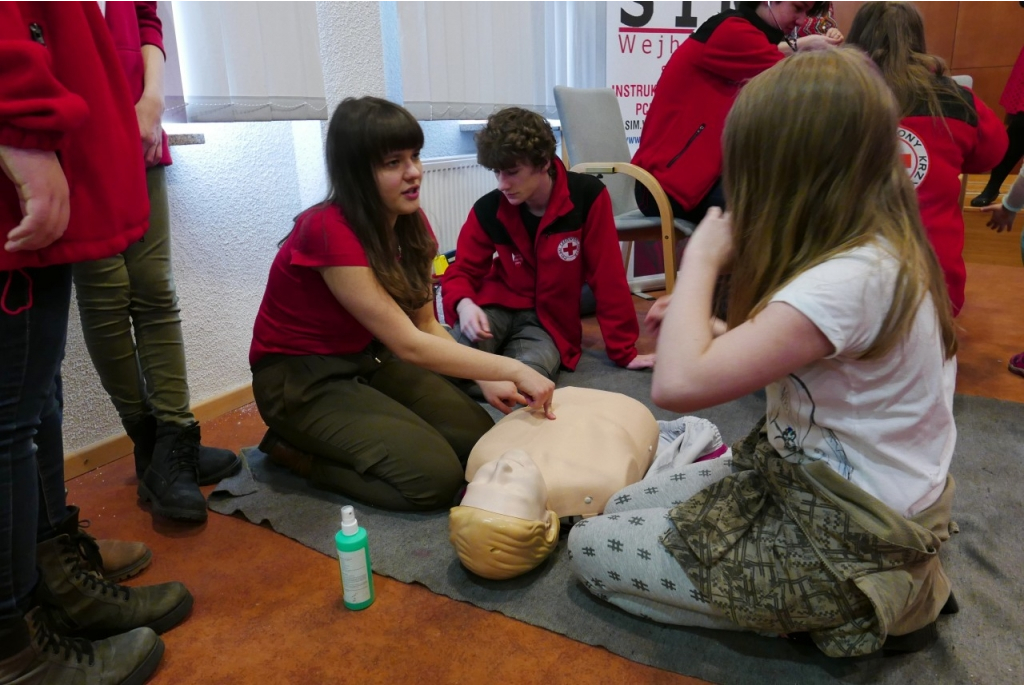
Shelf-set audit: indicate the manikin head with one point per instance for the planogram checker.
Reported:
(503, 528)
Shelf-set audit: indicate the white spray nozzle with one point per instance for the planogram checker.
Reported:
(349, 525)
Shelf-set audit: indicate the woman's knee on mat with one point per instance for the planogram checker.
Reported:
(427, 480)
(422, 469)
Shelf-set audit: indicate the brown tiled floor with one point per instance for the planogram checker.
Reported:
(268, 610)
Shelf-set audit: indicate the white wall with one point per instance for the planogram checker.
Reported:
(231, 200)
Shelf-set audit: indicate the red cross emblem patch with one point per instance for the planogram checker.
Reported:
(913, 154)
(569, 249)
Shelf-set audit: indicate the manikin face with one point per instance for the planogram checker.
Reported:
(786, 15)
(398, 180)
(511, 485)
(525, 183)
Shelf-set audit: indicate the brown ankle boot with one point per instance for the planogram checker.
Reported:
(121, 560)
(114, 560)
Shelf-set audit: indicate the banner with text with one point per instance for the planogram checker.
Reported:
(641, 38)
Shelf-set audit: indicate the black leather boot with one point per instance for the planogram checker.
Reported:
(986, 197)
(76, 602)
(171, 482)
(215, 463)
(39, 656)
(143, 435)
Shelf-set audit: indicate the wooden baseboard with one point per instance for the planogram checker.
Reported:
(117, 446)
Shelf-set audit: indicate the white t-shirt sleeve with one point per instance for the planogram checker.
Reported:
(846, 297)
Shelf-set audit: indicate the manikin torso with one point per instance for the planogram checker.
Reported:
(599, 443)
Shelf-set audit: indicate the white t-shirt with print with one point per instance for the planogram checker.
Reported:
(885, 424)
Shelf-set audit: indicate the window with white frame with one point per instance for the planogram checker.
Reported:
(245, 61)
(260, 61)
(465, 60)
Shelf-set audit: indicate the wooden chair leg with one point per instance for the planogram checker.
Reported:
(668, 247)
(627, 250)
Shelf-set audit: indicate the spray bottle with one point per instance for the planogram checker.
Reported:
(354, 556)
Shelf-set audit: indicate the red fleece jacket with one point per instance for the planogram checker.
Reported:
(968, 138)
(61, 89)
(576, 244)
(681, 142)
(132, 25)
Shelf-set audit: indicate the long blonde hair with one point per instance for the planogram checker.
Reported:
(811, 169)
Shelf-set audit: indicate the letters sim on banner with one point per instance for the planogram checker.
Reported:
(641, 38)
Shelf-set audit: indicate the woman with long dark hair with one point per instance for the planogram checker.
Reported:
(347, 352)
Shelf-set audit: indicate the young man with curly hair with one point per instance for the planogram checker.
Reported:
(552, 230)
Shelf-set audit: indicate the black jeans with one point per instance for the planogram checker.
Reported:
(1015, 131)
(33, 330)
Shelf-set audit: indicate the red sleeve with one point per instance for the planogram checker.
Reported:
(603, 271)
(736, 51)
(322, 238)
(473, 253)
(989, 145)
(151, 29)
(36, 110)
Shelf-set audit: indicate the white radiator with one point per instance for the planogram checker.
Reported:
(450, 187)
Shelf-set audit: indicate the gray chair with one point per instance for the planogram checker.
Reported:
(594, 141)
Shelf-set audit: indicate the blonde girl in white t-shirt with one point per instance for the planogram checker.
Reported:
(838, 308)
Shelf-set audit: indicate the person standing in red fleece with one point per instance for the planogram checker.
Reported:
(72, 189)
(681, 142)
(946, 129)
(1012, 101)
(144, 374)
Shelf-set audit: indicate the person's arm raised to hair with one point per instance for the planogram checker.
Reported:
(695, 369)
(359, 292)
